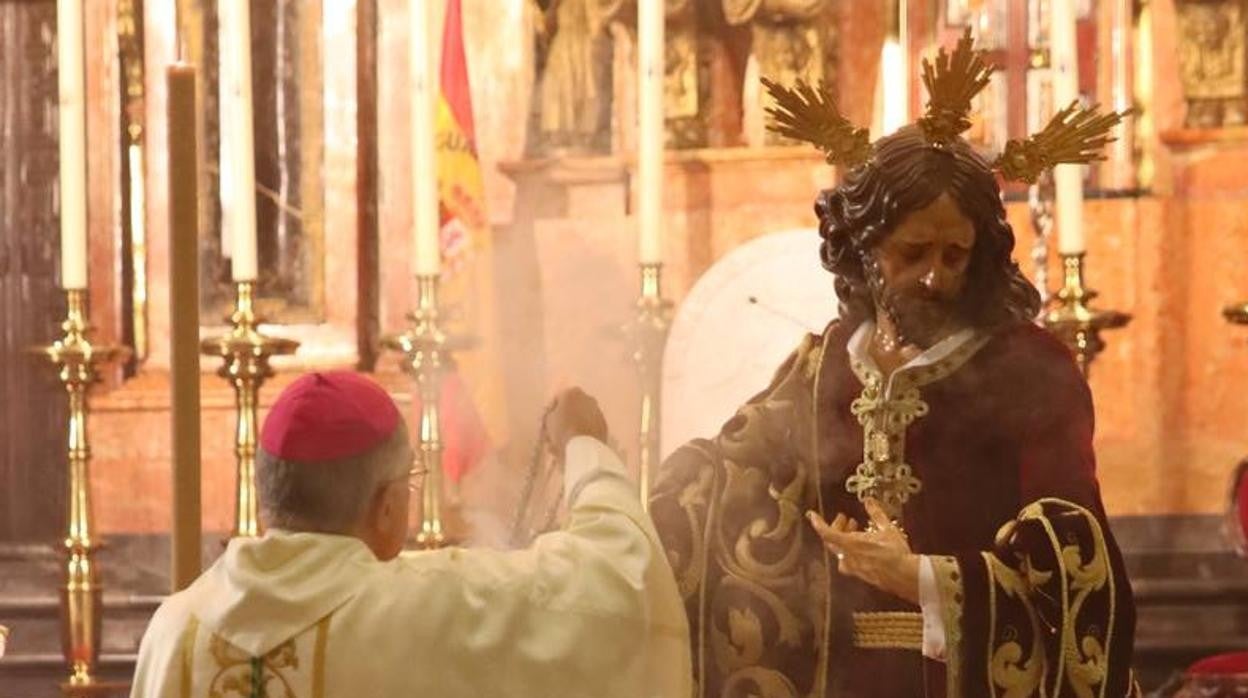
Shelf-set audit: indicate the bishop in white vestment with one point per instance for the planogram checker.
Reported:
(314, 610)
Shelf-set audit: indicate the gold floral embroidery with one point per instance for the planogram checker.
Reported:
(1010, 667)
(235, 671)
(739, 512)
(949, 586)
(885, 410)
(1079, 661)
(1084, 658)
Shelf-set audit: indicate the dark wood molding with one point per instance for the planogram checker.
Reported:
(368, 178)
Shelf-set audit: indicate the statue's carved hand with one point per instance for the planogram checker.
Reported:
(879, 556)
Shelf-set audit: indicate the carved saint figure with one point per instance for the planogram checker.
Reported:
(575, 85)
(790, 40)
(1212, 63)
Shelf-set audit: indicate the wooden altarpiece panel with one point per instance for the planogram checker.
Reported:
(32, 406)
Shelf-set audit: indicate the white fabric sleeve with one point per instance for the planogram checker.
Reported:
(586, 460)
(588, 610)
(933, 617)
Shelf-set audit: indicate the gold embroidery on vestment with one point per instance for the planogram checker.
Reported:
(188, 655)
(949, 587)
(885, 410)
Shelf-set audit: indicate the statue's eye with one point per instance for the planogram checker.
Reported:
(956, 256)
(913, 252)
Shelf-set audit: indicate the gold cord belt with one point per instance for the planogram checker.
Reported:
(891, 630)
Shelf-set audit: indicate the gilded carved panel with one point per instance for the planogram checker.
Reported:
(790, 40)
(1212, 62)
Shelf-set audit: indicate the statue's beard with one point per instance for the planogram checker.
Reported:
(918, 318)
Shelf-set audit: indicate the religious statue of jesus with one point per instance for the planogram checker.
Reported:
(945, 436)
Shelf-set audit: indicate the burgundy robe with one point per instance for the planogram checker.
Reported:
(1004, 428)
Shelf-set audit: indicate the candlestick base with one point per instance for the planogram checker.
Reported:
(427, 350)
(77, 361)
(1073, 320)
(648, 332)
(245, 352)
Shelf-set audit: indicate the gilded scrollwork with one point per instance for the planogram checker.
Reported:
(1051, 568)
(743, 557)
(237, 672)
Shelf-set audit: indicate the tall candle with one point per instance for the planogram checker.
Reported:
(650, 136)
(71, 93)
(425, 218)
(184, 324)
(238, 162)
(1067, 179)
(895, 72)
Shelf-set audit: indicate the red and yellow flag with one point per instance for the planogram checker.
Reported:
(471, 403)
(461, 190)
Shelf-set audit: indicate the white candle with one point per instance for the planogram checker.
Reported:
(71, 92)
(1067, 179)
(238, 162)
(895, 72)
(425, 219)
(651, 133)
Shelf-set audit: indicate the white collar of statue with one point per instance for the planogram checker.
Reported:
(887, 407)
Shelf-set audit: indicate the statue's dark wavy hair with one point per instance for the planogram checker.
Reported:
(904, 174)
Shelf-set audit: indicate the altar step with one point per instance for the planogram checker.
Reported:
(34, 665)
(133, 572)
(1182, 620)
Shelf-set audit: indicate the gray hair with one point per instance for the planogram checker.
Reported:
(328, 496)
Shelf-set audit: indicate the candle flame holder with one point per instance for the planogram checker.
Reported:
(77, 361)
(245, 352)
(648, 331)
(1074, 321)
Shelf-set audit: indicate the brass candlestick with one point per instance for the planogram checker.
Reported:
(649, 334)
(245, 352)
(77, 360)
(1073, 321)
(1236, 314)
(427, 352)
